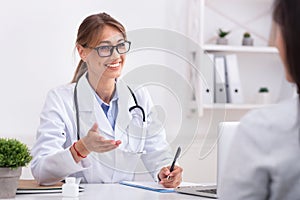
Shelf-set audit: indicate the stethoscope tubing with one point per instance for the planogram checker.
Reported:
(136, 106)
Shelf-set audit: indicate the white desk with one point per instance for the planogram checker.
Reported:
(111, 192)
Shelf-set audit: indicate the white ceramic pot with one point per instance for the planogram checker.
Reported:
(247, 42)
(263, 98)
(9, 179)
(222, 41)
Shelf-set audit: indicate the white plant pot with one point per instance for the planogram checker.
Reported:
(9, 179)
(263, 98)
(222, 41)
(247, 42)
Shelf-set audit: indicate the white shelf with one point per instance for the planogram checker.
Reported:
(229, 106)
(251, 59)
(241, 49)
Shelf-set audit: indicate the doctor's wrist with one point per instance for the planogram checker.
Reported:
(79, 151)
(82, 148)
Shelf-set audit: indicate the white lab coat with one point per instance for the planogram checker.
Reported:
(52, 159)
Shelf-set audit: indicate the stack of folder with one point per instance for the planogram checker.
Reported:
(221, 79)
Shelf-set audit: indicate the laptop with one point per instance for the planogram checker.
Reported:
(226, 131)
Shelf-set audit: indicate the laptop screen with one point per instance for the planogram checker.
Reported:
(226, 131)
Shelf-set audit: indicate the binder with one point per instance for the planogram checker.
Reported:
(32, 187)
(234, 83)
(196, 76)
(207, 78)
(220, 80)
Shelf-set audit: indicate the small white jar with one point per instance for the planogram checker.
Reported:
(70, 188)
(264, 98)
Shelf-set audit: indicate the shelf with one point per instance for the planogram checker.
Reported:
(241, 49)
(229, 106)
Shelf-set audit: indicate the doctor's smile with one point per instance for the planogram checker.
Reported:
(113, 65)
(108, 126)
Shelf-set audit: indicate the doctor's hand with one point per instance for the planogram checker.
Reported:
(175, 177)
(93, 141)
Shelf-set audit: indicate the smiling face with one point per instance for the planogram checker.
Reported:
(104, 69)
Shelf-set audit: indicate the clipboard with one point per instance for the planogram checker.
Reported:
(153, 186)
(156, 187)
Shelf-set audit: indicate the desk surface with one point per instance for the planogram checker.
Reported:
(111, 192)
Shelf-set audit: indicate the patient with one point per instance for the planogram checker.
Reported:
(264, 159)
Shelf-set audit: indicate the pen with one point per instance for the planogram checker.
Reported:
(174, 161)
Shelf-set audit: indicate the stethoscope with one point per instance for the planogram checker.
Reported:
(139, 149)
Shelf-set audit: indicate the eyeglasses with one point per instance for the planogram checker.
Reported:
(107, 50)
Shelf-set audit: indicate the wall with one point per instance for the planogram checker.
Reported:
(38, 51)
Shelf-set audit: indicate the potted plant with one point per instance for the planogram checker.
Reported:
(222, 37)
(263, 95)
(13, 156)
(247, 40)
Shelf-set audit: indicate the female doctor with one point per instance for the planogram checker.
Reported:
(97, 127)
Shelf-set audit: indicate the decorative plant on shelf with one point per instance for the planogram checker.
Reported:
(222, 37)
(263, 89)
(13, 156)
(247, 35)
(247, 40)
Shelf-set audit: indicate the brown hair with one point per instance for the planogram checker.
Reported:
(88, 36)
(287, 15)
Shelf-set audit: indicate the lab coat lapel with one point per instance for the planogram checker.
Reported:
(90, 110)
(85, 103)
(125, 101)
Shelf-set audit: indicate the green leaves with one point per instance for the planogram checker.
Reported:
(263, 90)
(13, 153)
(222, 33)
(247, 35)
